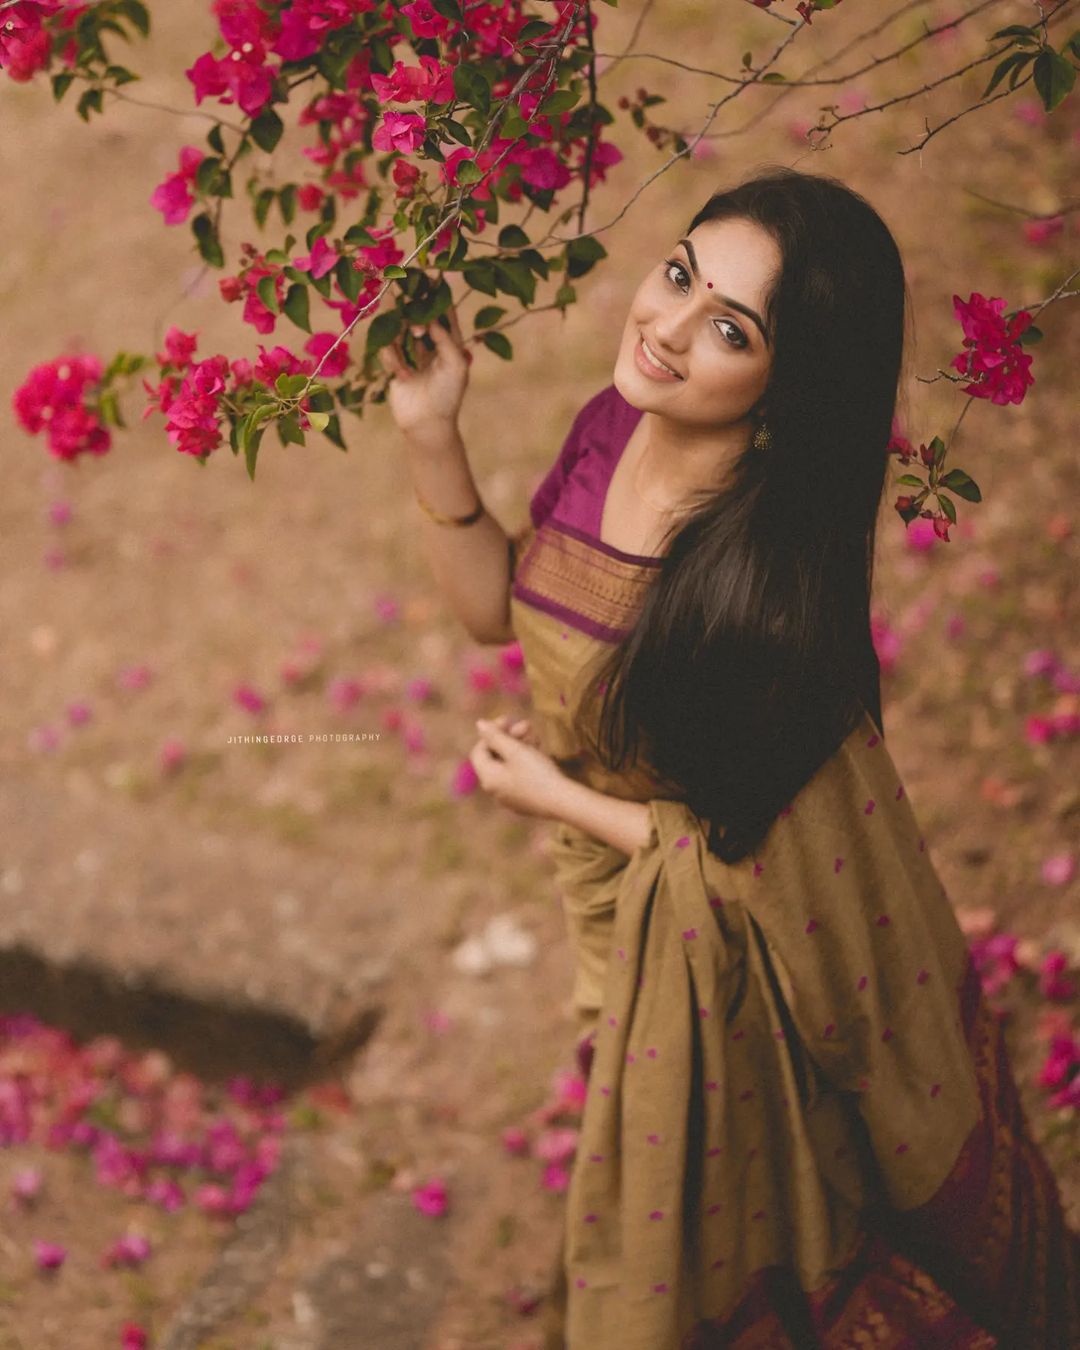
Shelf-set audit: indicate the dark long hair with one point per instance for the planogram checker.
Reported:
(752, 659)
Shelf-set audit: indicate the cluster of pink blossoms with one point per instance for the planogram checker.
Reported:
(173, 197)
(193, 394)
(53, 399)
(994, 361)
(25, 40)
(150, 1132)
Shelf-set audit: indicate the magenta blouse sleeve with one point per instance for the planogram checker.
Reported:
(547, 494)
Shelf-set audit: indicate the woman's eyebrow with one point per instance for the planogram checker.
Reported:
(734, 304)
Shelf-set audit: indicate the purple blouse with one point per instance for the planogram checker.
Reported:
(575, 488)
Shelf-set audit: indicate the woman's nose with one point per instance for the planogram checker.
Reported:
(673, 326)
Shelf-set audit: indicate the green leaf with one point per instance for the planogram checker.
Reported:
(1054, 78)
(499, 343)
(394, 270)
(288, 386)
(910, 480)
(456, 131)
(513, 125)
(266, 289)
(513, 236)
(488, 315)
(1013, 63)
(1031, 335)
(514, 278)
(947, 507)
(956, 480)
(251, 454)
(288, 430)
(536, 261)
(481, 277)
(88, 103)
(471, 86)
(263, 201)
(215, 139)
(773, 77)
(61, 84)
(565, 295)
(120, 75)
(582, 255)
(356, 234)
(348, 278)
(562, 100)
(383, 329)
(319, 420)
(137, 12)
(287, 203)
(206, 237)
(267, 129)
(333, 432)
(1015, 30)
(468, 171)
(296, 306)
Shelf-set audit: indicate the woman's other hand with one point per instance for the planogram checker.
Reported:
(425, 402)
(511, 766)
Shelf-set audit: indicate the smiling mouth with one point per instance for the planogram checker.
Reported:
(654, 360)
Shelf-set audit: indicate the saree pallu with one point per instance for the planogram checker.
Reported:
(801, 1127)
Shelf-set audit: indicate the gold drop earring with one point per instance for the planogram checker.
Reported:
(762, 437)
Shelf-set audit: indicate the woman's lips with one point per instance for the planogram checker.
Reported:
(646, 366)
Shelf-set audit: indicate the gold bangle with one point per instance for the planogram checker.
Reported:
(440, 519)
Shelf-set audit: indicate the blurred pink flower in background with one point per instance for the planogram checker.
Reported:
(431, 1198)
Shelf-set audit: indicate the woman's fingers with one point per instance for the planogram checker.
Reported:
(455, 326)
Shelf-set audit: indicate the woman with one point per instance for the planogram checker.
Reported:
(801, 1126)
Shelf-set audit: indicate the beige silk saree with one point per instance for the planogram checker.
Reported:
(801, 1128)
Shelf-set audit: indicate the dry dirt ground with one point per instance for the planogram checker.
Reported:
(322, 882)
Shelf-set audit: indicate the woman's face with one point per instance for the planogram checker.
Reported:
(701, 310)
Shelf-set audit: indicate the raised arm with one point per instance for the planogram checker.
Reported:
(471, 562)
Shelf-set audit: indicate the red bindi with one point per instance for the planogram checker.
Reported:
(709, 284)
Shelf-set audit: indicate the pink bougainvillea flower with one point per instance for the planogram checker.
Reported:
(430, 82)
(886, 641)
(920, 535)
(419, 690)
(173, 197)
(133, 1337)
(481, 677)
(1042, 231)
(403, 132)
(44, 738)
(249, 698)
(79, 713)
(557, 1146)
(431, 1198)
(425, 19)
(995, 958)
(130, 1250)
(319, 261)
(49, 1255)
(337, 362)
(1054, 982)
(464, 781)
(342, 694)
(26, 1185)
(56, 398)
(556, 1178)
(1029, 111)
(515, 1141)
(1059, 869)
(993, 361)
(172, 755)
(387, 608)
(437, 1021)
(179, 348)
(1041, 662)
(511, 656)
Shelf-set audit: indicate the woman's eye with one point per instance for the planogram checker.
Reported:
(730, 330)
